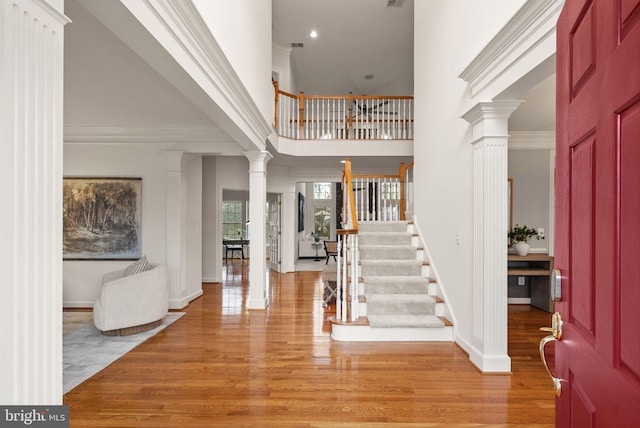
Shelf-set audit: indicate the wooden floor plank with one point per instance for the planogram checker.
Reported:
(221, 365)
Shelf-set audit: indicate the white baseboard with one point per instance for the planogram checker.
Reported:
(77, 304)
(519, 300)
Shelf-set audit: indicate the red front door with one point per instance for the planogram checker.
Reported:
(598, 213)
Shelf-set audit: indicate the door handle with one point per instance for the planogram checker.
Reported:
(556, 334)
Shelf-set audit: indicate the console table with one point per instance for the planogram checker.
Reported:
(537, 268)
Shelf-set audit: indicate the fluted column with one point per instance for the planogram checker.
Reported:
(31, 78)
(258, 284)
(176, 182)
(490, 224)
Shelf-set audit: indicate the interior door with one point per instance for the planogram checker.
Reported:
(598, 213)
(274, 233)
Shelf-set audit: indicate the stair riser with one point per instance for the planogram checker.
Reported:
(395, 288)
(388, 253)
(384, 239)
(382, 226)
(390, 308)
(381, 268)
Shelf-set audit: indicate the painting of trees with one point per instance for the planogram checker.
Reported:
(101, 218)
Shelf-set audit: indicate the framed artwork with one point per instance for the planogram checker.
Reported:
(101, 218)
(300, 212)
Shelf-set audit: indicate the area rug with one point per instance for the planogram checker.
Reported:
(86, 351)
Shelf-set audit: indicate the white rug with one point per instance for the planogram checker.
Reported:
(86, 351)
(308, 264)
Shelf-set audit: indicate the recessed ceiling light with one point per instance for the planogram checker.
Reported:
(313, 34)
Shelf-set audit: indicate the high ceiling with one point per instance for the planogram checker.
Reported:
(363, 46)
(108, 85)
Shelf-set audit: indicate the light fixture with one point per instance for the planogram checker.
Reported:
(313, 34)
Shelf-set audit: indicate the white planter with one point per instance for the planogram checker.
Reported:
(521, 248)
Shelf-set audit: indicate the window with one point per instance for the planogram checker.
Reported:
(322, 221)
(321, 190)
(390, 190)
(232, 222)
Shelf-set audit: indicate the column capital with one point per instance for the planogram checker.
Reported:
(258, 160)
(491, 119)
(491, 110)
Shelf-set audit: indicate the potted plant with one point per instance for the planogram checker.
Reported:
(519, 237)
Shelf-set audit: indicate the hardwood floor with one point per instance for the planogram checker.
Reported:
(221, 365)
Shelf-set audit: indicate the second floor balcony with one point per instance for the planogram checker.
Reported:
(349, 117)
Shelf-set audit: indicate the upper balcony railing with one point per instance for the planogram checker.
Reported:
(351, 117)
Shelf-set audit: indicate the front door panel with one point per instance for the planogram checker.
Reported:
(598, 213)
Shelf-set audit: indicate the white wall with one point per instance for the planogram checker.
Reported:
(530, 171)
(232, 173)
(240, 27)
(449, 34)
(282, 66)
(82, 279)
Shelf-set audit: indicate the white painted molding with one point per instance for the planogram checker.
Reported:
(530, 26)
(209, 80)
(146, 135)
(519, 301)
(183, 21)
(491, 110)
(55, 14)
(544, 140)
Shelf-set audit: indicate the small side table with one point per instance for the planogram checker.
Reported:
(316, 245)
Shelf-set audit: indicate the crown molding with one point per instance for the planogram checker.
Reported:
(192, 41)
(544, 140)
(531, 25)
(168, 134)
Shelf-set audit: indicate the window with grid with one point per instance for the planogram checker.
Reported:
(322, 221)
(390, 190)
(232, 222)
(321, 190)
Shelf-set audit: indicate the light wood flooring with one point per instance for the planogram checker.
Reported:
(221, 365)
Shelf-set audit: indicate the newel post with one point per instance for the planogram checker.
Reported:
(276, 96)
(301, 117)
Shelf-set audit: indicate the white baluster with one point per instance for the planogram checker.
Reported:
(339, 270)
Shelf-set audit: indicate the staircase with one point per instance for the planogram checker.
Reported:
(398, 299)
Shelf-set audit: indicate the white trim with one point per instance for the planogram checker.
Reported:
(211, 280)
(520, 140)
(55, 14)
(433, 273)
(519, 301)
(184, 301)
(534, 23)
(77, 304)
(166, 134)
(179, 28)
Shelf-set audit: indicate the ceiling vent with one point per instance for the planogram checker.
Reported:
(297, 45)
(395, 3)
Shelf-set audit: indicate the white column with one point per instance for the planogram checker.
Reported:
(288, 243)
(258, 284)
(490, 224)
(31, 79)
(176, 182)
